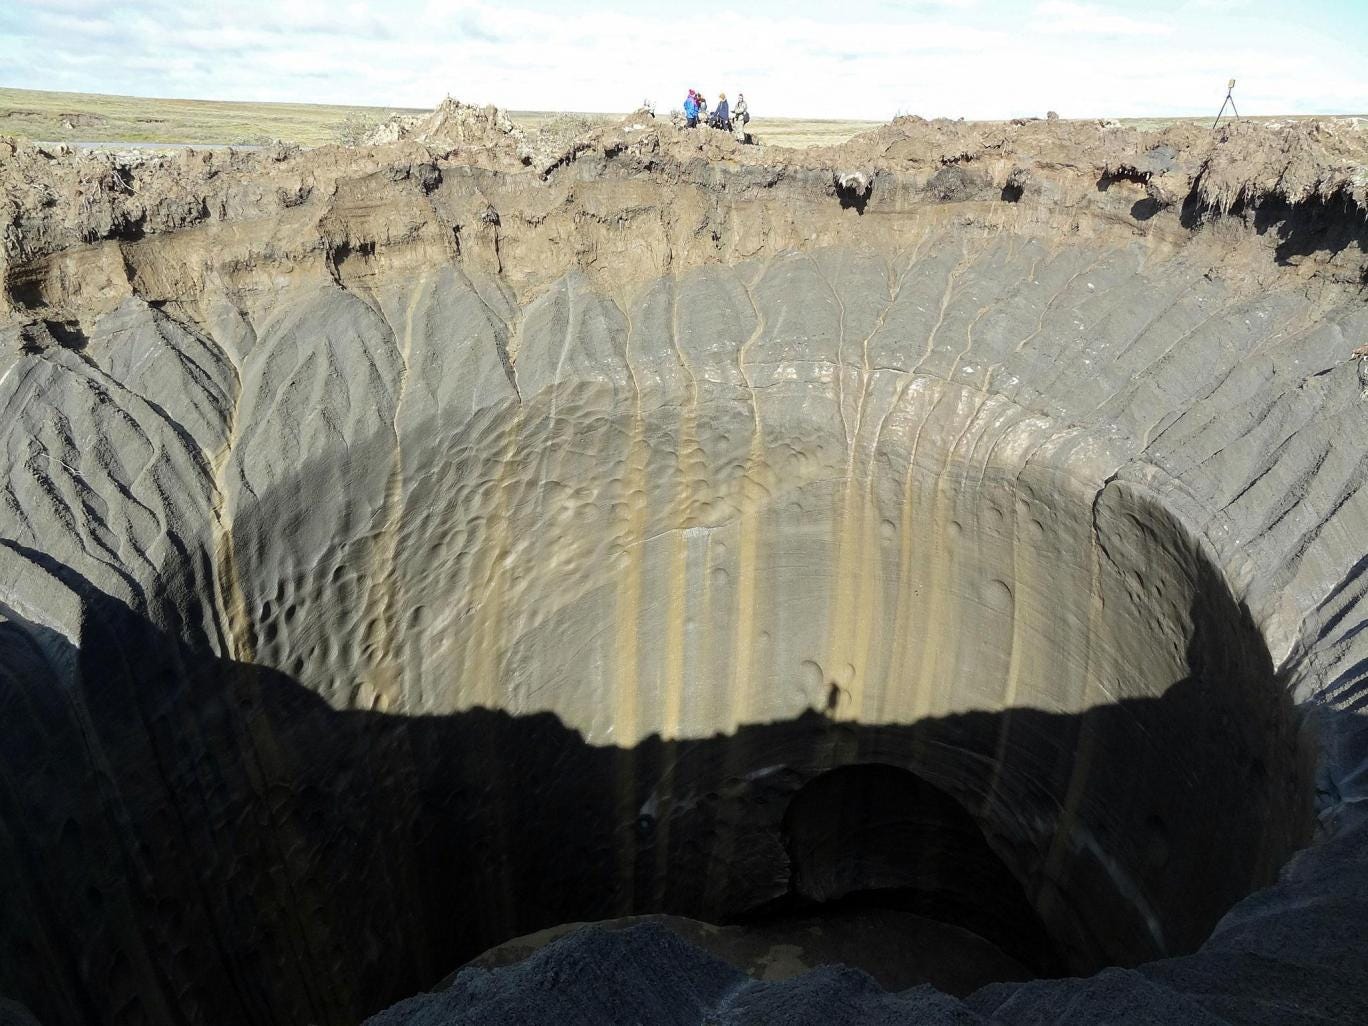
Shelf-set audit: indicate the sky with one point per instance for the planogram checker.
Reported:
(866, 59)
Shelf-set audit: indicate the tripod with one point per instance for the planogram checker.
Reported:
(1230, 99)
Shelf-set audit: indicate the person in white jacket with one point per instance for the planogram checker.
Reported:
(740, 113)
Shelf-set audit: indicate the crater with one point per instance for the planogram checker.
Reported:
(944, 593)
(778, 719)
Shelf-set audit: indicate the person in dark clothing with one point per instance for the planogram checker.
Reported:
(722, 116)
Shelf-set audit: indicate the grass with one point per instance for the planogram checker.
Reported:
(96, 118)
(806, 132)
(91, 117)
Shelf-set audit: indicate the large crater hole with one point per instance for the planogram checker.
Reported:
(585, 665)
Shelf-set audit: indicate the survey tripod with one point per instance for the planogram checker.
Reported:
(1230, 99)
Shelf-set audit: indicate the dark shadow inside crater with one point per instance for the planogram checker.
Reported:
(854, 195)
(1133, 177)
(1144, 209)
(187, 839)
(1319, 224)
(871, 835)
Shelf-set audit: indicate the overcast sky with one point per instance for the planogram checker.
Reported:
(870, 59)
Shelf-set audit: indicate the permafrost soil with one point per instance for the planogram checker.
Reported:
(941, 554)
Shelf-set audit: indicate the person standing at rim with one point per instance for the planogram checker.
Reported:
(741, 115)
(722, 116)
(691, 109)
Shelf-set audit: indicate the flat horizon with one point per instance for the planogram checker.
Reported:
(403, 109)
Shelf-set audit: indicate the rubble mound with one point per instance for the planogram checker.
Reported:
(452, 124)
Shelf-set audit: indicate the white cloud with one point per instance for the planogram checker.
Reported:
(921, 5)
(1086, 19)
(871, 62)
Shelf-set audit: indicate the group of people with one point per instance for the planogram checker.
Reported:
(723, 117)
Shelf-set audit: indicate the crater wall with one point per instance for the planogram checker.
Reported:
(379, 592)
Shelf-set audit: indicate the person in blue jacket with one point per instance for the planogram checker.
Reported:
(691, 109)
(721, 117)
